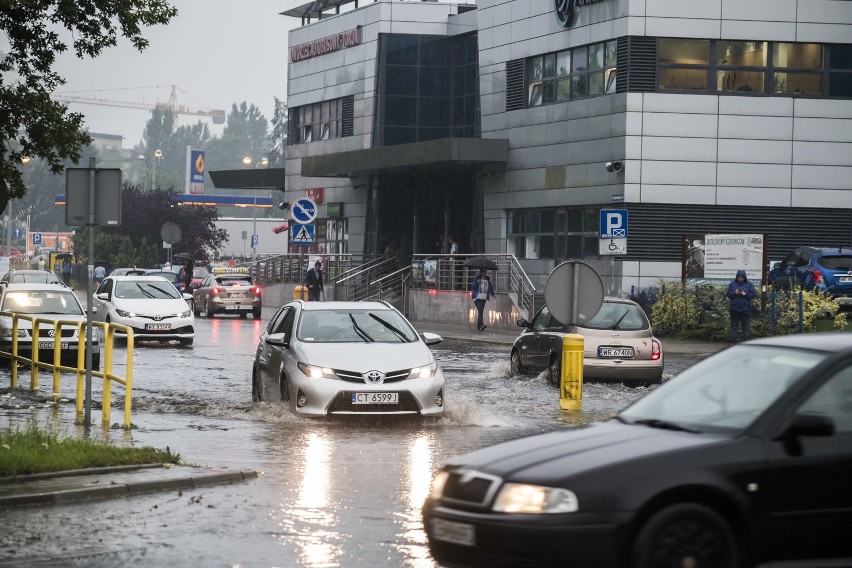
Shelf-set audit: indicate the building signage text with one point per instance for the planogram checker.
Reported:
(566, 10)
(326, 45)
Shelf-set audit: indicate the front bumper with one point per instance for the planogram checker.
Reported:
(590, 540)
(334, 396)
(179, 328)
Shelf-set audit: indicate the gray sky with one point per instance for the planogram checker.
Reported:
(217, 52)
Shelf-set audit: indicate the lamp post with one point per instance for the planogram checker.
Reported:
(248, 161)
(157, 155)
(145, 175)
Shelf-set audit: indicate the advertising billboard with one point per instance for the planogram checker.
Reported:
(714, 259)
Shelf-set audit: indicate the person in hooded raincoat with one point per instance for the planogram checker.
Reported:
(741, 292)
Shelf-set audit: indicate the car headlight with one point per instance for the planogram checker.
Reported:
(184, 314)
(534, 499)
(124, 314)
(438, 483)
(425, 372)
(314, 372)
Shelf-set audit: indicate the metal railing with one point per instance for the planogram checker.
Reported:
(108, 330)
(448, 272)
(291, 268)
(391, 288)
(354, 284)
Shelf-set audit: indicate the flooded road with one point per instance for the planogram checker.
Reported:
(333, 492)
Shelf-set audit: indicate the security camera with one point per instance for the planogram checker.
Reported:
(284, 205)
(614, 167)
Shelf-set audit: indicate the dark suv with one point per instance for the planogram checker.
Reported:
(817, 268)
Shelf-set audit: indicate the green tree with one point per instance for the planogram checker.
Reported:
(31, 123)
(278, 139)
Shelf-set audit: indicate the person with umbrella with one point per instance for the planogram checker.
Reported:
(481, 289)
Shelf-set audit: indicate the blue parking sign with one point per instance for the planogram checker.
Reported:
(613, 223)
(36, 239)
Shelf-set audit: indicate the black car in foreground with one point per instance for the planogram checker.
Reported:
(745, 459)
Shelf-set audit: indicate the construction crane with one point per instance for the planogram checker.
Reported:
(218, 116)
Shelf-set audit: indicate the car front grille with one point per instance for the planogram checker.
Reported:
(356, 377)
(343, 403)
(470, 488)
(64, 332)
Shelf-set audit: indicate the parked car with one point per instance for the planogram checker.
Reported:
(347, 358)
(30, 277)
(127, 272)
(619, 345)
(816, 268)
(47, 301)
(172, 277)
(150, 305)
(228, 291)
(742, 460)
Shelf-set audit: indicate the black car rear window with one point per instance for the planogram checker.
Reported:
(234, 280)
(612, 315)
(836, 262)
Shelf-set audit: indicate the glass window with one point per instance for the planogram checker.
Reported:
(563, 63)
(683, 79)
(834, 399)
(434, 82)
(741, 53)
(797, 55)
(434, 52)
(563, 89)
(401, 50)
(684, 51)
(840, 85)
(596, 83)
(400, 110)
(325, 131)
(533, 221)
(536, 92)
(308, 134)
(840, 57)
(579, 86)
(611, 80)
(549, 92)
(549, 66)
(433, 111)
(798, 83)
(740, 81)
(536, 68)
(579, 60)
(401, 81)
(596, 56)
(611, 53)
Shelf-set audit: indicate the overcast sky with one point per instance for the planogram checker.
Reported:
(217, 52)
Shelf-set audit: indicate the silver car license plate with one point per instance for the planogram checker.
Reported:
(375, 398)
(157, 326)
(451, 531)
(615, 352)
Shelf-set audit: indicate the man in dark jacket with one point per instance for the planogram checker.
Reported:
(741, 293)
(314, 282)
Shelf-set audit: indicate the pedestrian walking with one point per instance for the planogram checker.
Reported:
(456, 281)
(481, 290)
(66, 271)
(100, 272)
(314, 282)
(41, 263)
(741, 292)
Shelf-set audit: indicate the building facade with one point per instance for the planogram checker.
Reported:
(509, 125)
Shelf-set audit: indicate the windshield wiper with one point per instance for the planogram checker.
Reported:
(390, 326)
(616, 324)
(665, 425)
(144, 291)
(360, 331)
(165, 293)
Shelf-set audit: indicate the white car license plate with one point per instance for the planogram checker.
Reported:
(375, 398)
(157, 326)
(233, 307)
(615, 352)
(49, 345)
(236, 295)
(844, 279)
(451, 531)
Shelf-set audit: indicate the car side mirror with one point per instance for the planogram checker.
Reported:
(809, 424)
(103, 296)
(431, 338)
(187, 296)
(277, 339)
(523, 323)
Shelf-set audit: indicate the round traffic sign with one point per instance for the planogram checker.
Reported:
(170, 232)
(574, 292)
(304, 210)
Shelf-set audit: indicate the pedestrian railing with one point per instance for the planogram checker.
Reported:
(107, 330)
(354, 284)
(448, 272)
(391, 288)
(291, 268)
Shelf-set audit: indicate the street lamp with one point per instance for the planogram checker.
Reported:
(250, 162)
(157, 155)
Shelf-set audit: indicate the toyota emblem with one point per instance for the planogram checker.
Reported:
(157, 318)
(374, 377)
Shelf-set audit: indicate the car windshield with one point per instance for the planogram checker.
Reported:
(836, 262)
(354, 326)
(615, 315)
(34, 278)
(145, 289)
(42, 302)
(727, 391)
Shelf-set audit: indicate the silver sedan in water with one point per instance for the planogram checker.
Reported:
(347, 358)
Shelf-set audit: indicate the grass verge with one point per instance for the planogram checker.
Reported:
(34, 451)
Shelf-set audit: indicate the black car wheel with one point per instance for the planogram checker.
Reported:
(284, 386)
(554, 370)
(255, 313)
(195, 309)
(515, 367)
(243, 315)
(207, 311)
(687, 534)
(256, 388)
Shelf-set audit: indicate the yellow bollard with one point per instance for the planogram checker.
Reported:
(300, 293)
(571, 380)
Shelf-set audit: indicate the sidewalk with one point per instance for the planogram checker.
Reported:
(507, 337)
(109, 482)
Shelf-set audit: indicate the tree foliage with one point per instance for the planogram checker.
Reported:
(31, 123)
(278, 138)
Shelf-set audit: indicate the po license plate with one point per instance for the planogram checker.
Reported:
(157, 326)
(375, 398)
(615, 352)
(451, 531)
(49, 345)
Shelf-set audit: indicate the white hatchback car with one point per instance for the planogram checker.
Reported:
(149, 304)
(347, 358)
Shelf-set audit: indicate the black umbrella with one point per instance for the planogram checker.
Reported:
(481, 262)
